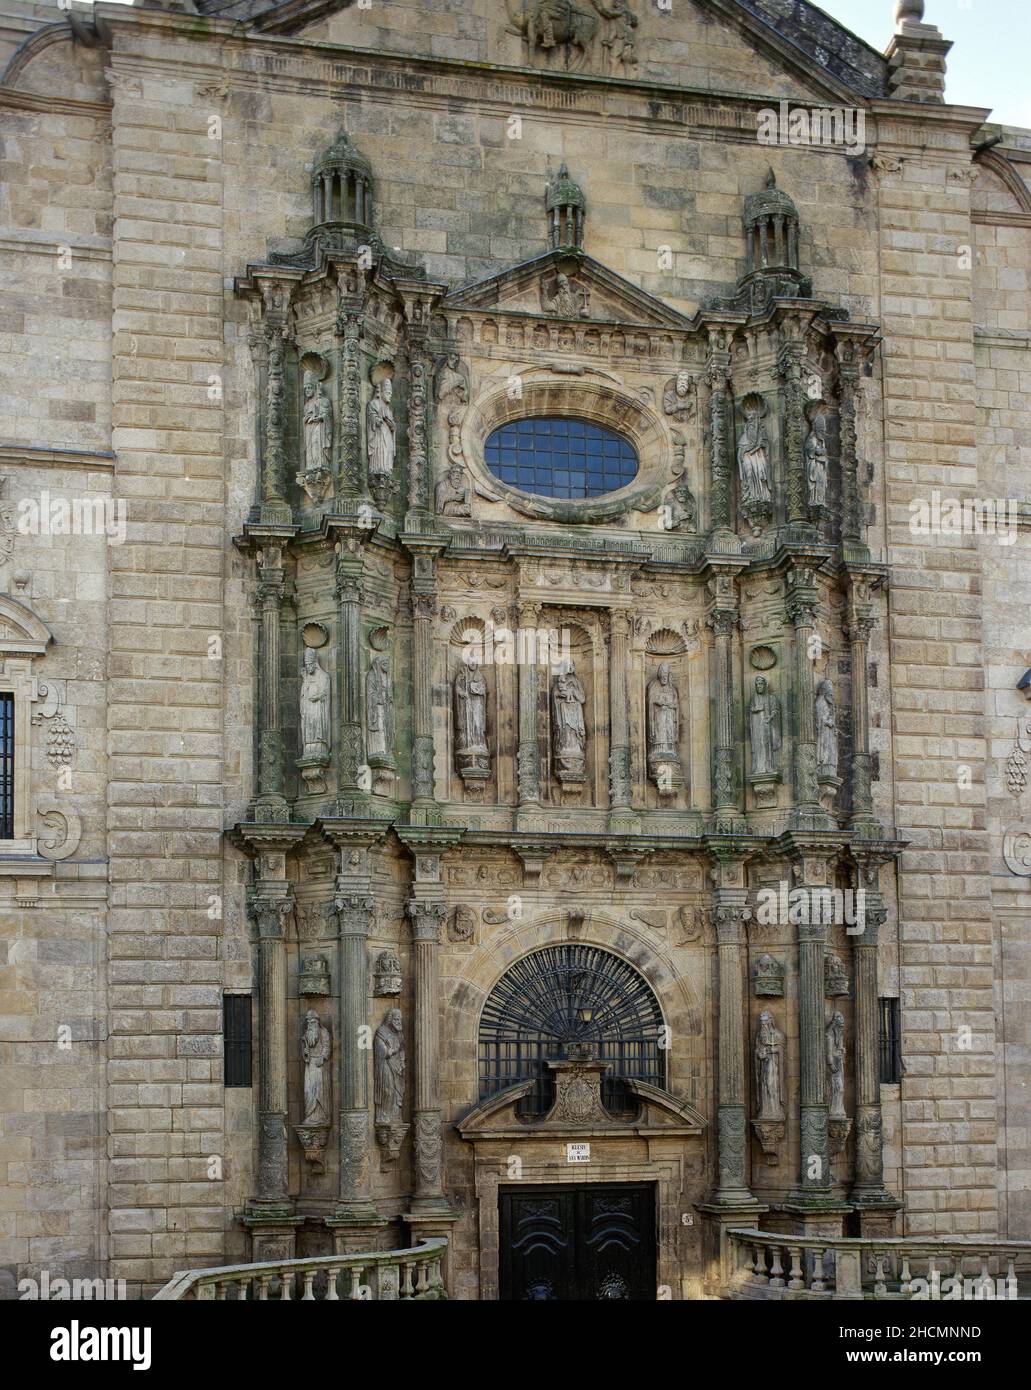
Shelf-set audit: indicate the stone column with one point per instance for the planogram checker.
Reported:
(808, 814)
(849, 355)
(274, 505)
(418, 458)
(619, 714)
(270, 916)
(723, 619)
(270, 803)
(350, 472)
(732, 1092)
(860, 623)
(427, 918)
(815, 1177)
(424, 607)
(792, 354)
(354, 915)
(528, 757)
(720, 443)
(349, 598)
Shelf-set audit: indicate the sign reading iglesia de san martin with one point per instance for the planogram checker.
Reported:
(514, 743)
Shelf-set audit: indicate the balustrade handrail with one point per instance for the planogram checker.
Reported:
(186, 1281)
(928, 1243)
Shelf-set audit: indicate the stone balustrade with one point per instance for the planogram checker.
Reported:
(768, 1264)
(413, 1273)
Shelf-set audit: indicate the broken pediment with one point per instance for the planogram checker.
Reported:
(578, 1109)
(567, 285)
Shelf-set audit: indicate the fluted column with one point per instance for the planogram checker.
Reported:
(354, 916)
(868, 1190)
(427, 919)
(619, 714)
(528, 757)
(349, 598)
(270, 803)
(270, 914)
(808, 814)
(859, 625)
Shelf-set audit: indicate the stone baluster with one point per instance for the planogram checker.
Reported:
(427, 918)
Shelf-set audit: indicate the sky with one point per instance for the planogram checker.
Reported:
(988, 64)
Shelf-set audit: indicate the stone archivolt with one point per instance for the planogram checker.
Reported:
(601, 701)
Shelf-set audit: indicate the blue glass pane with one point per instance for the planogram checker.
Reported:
(561, 457)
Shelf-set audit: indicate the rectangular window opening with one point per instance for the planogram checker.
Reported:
(236, 1036)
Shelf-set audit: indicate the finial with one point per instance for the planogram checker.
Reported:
(908, 12)
(771, 178)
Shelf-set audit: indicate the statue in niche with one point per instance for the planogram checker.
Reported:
(379, 707)
(568, 730)
(451, 495)
(452, 383)
(316, 1047)
(826, 730)
(753, 452)
(470, 701)
(663, 713)
(389, 1069)
(836, 1065)
(318, 425)
(679, 507)
(381, 431)
(314, 708)
(680, 397)
(769, 1068)
(764, 729)
(564, 300)
(816, 461)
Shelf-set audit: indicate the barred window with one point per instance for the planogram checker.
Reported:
(6, 767)
(561, 457)
(890, 1042)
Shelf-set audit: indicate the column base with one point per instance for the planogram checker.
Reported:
(812, 818)
(876, 1210)
(865, 827)
(356, 1232)
(721, 1215)
(728, 821)
(810, 1215)
(273, 1231)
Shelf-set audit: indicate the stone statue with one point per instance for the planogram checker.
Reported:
(680, 507)
(753, 454)
(381, 430)
(314, 707)
(316, 1047)
(318, 425)
(769, 1068)
(389, 1069)
(568, 731)
(470, 696)
(451, 495)
(826, 730)
(816, 455)
(663, 713)
(764, 729)
(836, 1065)
(452, 383)
(568, 301)
(679, 397)
(379, 707)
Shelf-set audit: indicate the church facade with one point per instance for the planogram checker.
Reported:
(513, 591)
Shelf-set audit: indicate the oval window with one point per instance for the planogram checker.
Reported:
(560, 457)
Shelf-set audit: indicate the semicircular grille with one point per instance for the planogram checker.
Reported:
(570, 994)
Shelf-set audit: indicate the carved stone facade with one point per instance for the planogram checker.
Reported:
(359, 717)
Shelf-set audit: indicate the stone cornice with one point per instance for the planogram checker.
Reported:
(35, 456)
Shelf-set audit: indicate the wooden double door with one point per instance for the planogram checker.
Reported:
(583, 1242)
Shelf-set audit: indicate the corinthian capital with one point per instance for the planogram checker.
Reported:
(269, 915)
(427, 919)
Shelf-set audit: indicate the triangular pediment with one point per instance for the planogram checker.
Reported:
(567, 285)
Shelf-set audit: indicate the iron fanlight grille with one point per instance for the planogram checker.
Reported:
(570, 994)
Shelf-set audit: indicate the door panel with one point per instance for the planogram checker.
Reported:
(584, 1242)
